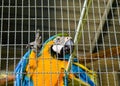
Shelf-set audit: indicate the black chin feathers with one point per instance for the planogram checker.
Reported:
(55, 55)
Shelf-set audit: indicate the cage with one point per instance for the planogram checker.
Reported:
(93, 25)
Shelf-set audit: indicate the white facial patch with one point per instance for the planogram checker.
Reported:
(57, 48)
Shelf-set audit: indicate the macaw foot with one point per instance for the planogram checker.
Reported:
(35, 45)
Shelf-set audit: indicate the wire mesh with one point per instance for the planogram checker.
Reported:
(99, 46)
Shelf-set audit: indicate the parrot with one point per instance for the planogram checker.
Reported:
(45, 65)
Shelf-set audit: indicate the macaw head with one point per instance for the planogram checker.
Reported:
(63, 45)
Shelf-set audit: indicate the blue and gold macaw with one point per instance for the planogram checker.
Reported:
(47, 68)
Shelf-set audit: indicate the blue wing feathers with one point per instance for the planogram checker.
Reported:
(20, 69)
(27, 82)
(23, 62)
(81, 74)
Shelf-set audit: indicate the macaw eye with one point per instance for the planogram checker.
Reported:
(57, 40)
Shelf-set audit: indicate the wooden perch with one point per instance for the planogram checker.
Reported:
(8, 79)
(113, 52)
(103, 65)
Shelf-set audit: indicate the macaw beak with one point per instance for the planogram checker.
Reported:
(63, 45)
(68, 48)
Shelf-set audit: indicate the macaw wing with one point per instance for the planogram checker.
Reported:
(81, 73)
(20, 70)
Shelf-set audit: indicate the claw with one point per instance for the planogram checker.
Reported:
(35, 45)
